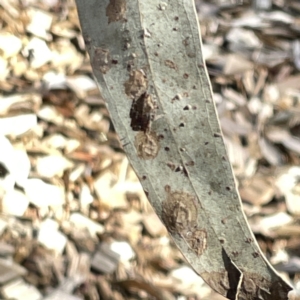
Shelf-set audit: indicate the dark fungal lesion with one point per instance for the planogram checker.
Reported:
(142, 113)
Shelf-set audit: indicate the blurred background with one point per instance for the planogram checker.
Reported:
(74, 221)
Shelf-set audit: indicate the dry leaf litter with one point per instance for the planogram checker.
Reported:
(74, 222)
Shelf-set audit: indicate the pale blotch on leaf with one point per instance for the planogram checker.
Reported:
(218, 281)
(101, 60)
(179, 212)
(136, 85)
(197, 240)
(249, 285)
(255, 286)
(146, 144)
(115, 10)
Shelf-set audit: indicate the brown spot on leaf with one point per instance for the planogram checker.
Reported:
(197, 240)
(179, 168)
(176, 97)
(187, 107)
(279, 289)
(146, 144)
(142, 113)
(218, 281)
(235, 253)
(186, 41)
(101, 60)
(171, 166)
(223, 221)
(185, 172)
(170, 64)
(191, 54)
(136, 85)
(115, 10)
(226, 282)
(255, 286)
(249, 285)
(130, 65)
(179, 212)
